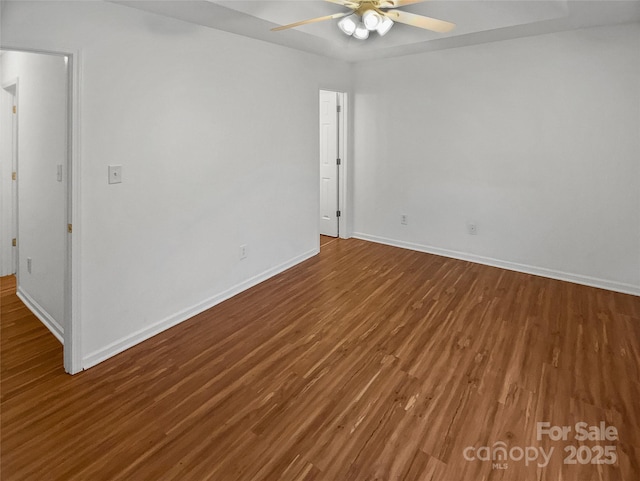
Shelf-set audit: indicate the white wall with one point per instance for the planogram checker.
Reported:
(218, 138)
(42, 136)
(537, 140)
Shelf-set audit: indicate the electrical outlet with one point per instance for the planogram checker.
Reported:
(472, 228)
(404, 219)
(243, 251)
(29, 265)
(115, 174)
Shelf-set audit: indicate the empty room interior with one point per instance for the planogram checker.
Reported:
(330, 240)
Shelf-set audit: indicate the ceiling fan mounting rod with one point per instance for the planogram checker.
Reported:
(365, 6)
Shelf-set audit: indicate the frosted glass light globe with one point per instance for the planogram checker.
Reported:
(361, 33)
(348, 24)
(371, 19)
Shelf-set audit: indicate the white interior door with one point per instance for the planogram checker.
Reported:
(329, 163)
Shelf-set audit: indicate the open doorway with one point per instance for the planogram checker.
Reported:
(8, 173)
(333, 110)
(35, 210)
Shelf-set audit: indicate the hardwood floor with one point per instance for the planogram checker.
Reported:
(366, 362)
(324, 240)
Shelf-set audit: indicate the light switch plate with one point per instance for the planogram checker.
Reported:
(115, 174)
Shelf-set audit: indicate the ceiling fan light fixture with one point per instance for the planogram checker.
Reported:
(371, 20)
(371, 15)
(385, 26)
(349, 24)
(361, 32)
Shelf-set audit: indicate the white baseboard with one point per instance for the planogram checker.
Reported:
(38, 311)
(512, 266)
(125, 343)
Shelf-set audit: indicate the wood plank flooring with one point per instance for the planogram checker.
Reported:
(324, 240)
(364, 363)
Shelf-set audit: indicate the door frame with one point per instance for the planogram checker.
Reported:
(343, 118)
(15, 135)
(72, 320)
(8, 215)
(343, 168)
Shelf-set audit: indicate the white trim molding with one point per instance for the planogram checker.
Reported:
(38, 311)
(511, 266)
(125, 343)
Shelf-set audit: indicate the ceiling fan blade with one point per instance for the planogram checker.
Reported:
(420, 21)
(312, 20)
(395, 3)
(350, 4)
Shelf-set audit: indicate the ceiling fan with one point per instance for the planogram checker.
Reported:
(375, 15)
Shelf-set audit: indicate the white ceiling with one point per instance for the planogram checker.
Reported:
(477, 21)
